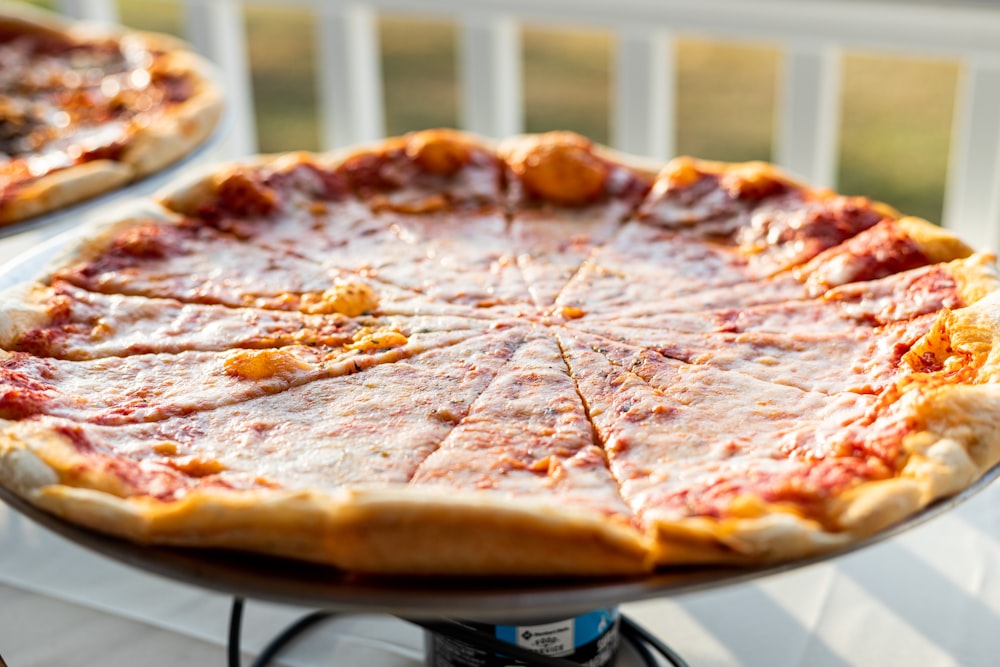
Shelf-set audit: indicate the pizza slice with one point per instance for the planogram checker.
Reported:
(67, 322)
(151, 387)
(849, 308)
(542, 462)
(409, 214)
(158, 255)
(441, 193)
(567, 198)
(862, 361)
(778, 343)
(223, 477)
(714, 479)
(651, 270)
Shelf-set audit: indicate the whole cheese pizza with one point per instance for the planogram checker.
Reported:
(444, 355)
(85, 109)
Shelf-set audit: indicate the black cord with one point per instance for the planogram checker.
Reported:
(235, 625)
(640, 636)
(274, 647)
(641, 640)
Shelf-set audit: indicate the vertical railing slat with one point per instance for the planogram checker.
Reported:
(490, 75)
(350, 75)
(216, 29)
(972, 195)
(100, 11)
(643, 118)
(807, 129)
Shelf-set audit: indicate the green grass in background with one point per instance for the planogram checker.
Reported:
(567, 75)
(896, 113)
(895, 131)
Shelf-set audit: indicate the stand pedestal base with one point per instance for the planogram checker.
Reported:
(482, 645)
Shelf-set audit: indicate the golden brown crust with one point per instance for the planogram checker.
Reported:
(567, 169)
(383, 530)
(63, 188)
(939, 245)
(374, 533)
(976, 276)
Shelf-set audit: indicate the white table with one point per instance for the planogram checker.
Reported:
(929, 597)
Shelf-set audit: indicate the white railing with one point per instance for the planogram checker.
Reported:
(811, 33)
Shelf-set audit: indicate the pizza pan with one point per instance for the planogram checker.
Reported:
(486, 599)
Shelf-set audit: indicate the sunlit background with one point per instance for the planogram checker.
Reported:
(895, 120)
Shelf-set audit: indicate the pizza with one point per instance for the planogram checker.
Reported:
(445, 355)
(85, 109)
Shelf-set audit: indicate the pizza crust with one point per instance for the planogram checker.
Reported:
(63, 188)
(184, 126)
(21, 310)
(377, 531)
(370, 533)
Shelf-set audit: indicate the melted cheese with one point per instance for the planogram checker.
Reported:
(263, 364)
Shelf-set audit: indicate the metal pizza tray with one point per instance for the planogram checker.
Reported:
(488, 599)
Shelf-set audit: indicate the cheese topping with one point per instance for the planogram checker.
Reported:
(351, 298)
(368, 340)
(262, 364)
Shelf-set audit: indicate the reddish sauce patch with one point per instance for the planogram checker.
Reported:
(369, 173)
(881, 251)
(131, 248)
(813, 227)
(150, 479)
(245, 193)
(20, 394)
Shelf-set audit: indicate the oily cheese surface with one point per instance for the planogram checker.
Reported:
(88, 109)
(442, 355)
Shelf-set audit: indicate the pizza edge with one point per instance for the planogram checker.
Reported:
(182, 127)
(174, 135)
(952, 405)
(379, 531)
